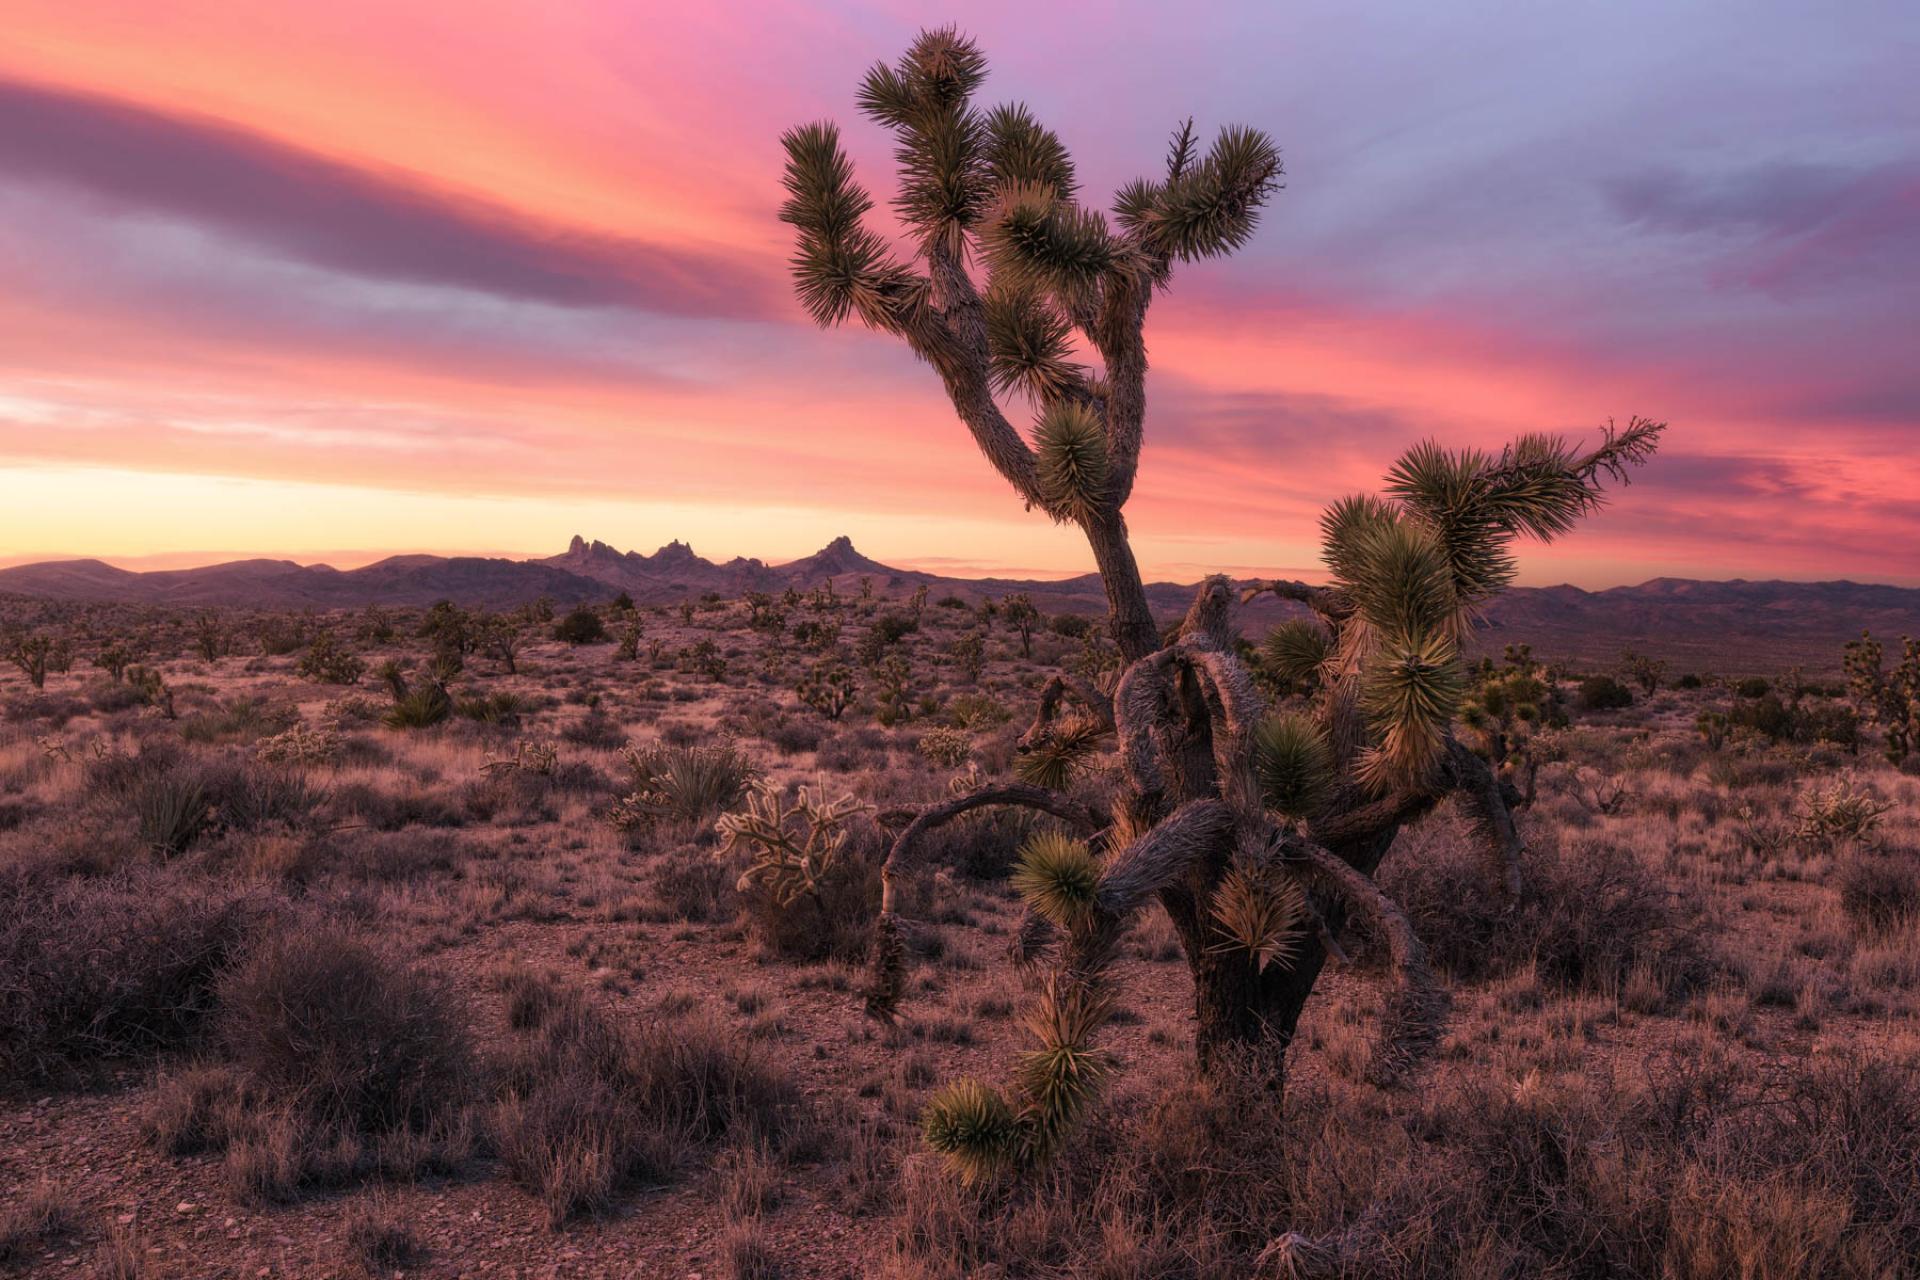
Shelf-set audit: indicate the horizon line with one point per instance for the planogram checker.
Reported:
(347, 560)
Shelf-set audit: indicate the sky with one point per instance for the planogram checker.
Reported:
(334, 281)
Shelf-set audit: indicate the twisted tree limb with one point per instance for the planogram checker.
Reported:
(888, 980)
(1416, 1011)
(1098, 704)
(1018, 794)
(1333, 606)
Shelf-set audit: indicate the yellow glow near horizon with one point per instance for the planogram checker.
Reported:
(147, 519)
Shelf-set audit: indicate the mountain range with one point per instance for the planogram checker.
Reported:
(1708, 625)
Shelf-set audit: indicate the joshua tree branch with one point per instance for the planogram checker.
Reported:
(1334, 607)
(1099, 705)
(952, 336)
(905, 845)
(1417, 1010)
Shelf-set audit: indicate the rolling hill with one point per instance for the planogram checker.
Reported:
(1697, 624)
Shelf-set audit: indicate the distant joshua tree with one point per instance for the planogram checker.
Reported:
(1257, 830)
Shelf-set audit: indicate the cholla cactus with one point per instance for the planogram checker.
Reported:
(302, 745)
(540, 756)
(946, 746)
(1258, 836)
(791, 846)
(1841, 812)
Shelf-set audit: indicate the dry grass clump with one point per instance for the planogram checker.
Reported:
(590, 1107)
(379, 1242)
(33, 1219)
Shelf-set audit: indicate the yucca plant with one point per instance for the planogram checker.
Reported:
(415, 706)
(1259, 837)
(683, 784)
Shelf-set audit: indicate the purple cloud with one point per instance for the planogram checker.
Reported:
(343, 219)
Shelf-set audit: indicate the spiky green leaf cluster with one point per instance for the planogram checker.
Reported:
(839, 267)
(1058, 877)
(1028, 344)
(973, 1126)
(1035, 241)
(1409, 692)
(1020, 151)
(1294, 650)
(1063, 1073)
(1070, 453)
(942, 142)
(1293, 764)
(1260, 913)
(1475, 504)
(1205, 208)
(1063, 755)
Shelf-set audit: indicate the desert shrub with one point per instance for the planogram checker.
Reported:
(344, 1032)
(1701, 1171)
(596, 730)
(1765, 716)
(977, 711)
(246, 718)
(669, 784)
(406, 806)
(251, 796)
(112, 697)
(1879, 890)
(693, 887)
(1074, 626)
(1689, 681)
(1586, 918)
(580, 626)
(500, 708)
(1603, 693)
(589, 1106)
(790, 737)
(834, 921)
(110, 969)
(328, 661)
(884, 633)
(1753, 687)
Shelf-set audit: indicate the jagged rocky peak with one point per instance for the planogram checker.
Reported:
(675, 552)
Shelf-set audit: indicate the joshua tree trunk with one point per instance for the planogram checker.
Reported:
(1127, 613)
(1257, 830)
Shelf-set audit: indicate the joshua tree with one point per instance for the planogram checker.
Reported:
(34, 653)
(1890, 699)
(1020, 614)
(1258, 832)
